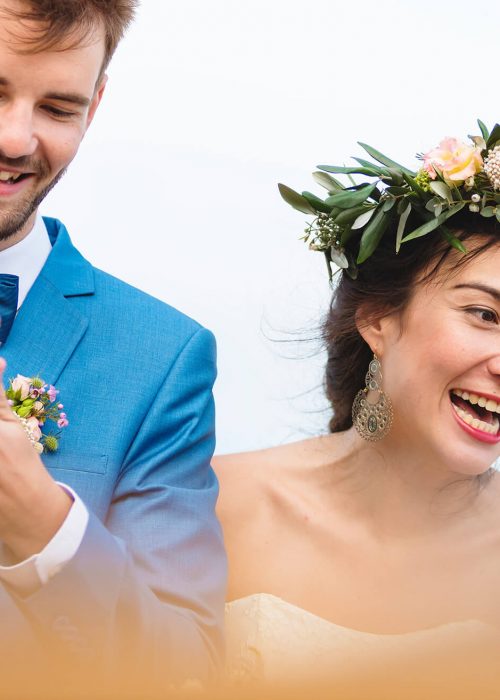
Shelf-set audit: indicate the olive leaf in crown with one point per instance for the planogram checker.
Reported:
(351, 220)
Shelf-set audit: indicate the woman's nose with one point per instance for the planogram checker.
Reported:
(494, 362)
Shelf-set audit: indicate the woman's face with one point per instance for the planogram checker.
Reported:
(441, 366)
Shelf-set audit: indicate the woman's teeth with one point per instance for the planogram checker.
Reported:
(474, 399)
(476, 423)
(487, 404)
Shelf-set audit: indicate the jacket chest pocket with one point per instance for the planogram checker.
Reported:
(71, 461)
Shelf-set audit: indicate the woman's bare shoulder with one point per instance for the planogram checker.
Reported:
(288, 456)
(244, 475)
(247, 463)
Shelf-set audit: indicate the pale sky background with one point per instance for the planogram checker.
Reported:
(209, 104)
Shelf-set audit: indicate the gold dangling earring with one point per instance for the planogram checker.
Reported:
(372, 420)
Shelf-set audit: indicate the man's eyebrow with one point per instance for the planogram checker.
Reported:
(495, 293)
(71, 97)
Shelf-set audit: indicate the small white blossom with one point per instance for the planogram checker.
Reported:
(492, 167)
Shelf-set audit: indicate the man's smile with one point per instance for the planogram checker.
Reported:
(12, 182)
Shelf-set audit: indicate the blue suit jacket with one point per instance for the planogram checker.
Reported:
(135, 377)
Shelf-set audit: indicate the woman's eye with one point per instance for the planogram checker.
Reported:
(485, 315)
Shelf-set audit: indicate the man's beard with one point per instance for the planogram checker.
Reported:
(11, 222)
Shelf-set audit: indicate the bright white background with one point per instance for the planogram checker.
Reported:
(209, 104)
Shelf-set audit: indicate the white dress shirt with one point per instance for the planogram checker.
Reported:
(26, 259)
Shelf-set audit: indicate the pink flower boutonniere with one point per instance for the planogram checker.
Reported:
(34, 403)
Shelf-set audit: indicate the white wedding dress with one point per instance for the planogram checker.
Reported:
(271, 641)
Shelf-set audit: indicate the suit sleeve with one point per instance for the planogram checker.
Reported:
(146, 588)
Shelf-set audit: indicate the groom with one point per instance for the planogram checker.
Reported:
(110, 549)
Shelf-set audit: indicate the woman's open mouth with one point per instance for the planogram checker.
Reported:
(477, 414)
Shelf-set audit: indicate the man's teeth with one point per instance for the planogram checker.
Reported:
(488, 404)
(5, 176)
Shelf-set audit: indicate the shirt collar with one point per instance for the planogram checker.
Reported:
(26, 258)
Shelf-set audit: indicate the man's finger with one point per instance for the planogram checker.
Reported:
(3, 365)
(6, 412)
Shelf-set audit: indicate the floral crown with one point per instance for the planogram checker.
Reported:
(453, 176)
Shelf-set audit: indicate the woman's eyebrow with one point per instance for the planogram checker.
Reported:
(495, 293)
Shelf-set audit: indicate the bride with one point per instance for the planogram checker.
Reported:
(381, 540)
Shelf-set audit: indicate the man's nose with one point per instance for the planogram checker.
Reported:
(17, 135)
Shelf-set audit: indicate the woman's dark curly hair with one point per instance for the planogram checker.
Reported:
(384, 285)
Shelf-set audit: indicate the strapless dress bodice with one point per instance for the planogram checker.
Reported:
(271, 640)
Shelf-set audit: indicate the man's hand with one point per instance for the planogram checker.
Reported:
(32, 505)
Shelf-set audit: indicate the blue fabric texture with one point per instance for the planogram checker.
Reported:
(9, 294)
(135, 377)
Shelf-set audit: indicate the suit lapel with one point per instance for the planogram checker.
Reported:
(48, 327)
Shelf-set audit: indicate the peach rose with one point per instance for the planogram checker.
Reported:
(23, 385)
(456, 160)
(34, 428)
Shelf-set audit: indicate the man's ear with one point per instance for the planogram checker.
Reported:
(96, 100)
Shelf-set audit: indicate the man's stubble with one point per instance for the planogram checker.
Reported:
(12, 221)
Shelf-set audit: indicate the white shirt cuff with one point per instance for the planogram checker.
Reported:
(28, 575)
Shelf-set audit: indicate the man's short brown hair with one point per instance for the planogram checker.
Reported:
(68, 23)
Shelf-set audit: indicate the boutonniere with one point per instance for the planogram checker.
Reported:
(34, 403)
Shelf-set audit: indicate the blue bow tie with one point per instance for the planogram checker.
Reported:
(9, 292)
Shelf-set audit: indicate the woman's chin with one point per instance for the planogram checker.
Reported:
(456, 452)
(468, 460)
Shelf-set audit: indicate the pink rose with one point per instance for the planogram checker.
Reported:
(456, 160)
(23, 385)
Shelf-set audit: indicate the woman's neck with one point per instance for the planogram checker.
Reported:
(403, 492)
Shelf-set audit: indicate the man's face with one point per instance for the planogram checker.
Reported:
(47, 101)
